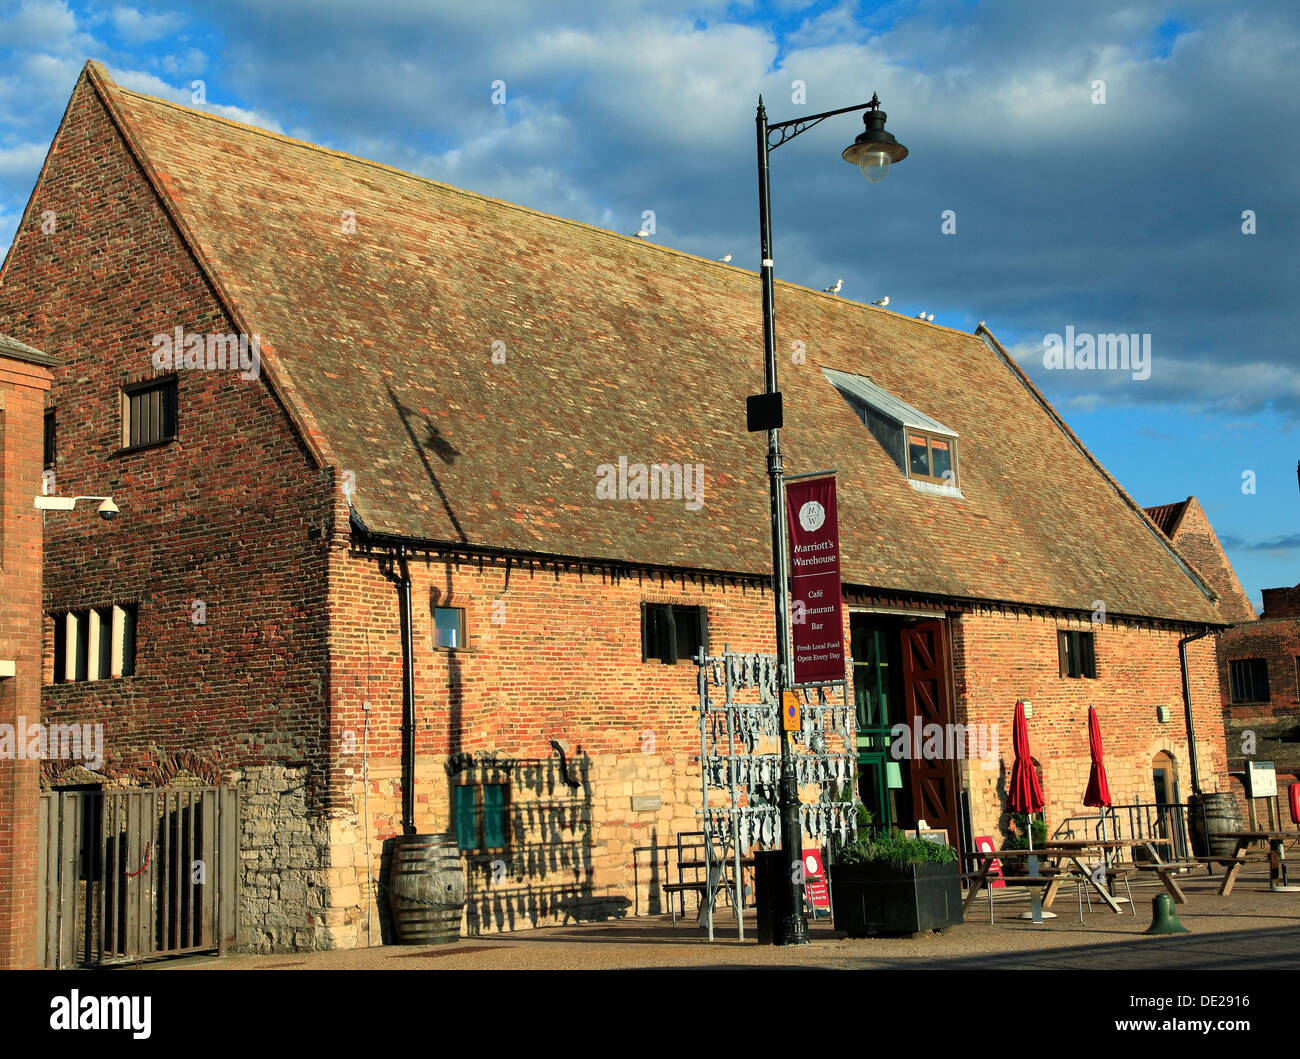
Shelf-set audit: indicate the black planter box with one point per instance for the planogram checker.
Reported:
(879, 898)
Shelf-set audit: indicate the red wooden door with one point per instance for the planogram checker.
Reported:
(927, 698)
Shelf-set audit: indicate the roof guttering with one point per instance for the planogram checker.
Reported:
(393, 542)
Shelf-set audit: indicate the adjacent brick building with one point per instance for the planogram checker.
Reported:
(469, 394)
(1259, 655)
(24, 381)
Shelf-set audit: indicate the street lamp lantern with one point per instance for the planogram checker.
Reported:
(875, 150)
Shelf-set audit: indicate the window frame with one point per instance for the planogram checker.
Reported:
(51, 439)
(104, 645)
(169, 412)
(1076, 652)
(931, 437)
(461, 628)
(479, 786)
(1235, 681)
(659, 630)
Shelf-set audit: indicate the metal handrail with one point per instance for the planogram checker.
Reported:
(1166, 821)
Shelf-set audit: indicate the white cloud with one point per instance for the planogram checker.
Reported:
(149, 84)
(138, 28)
(23, 159)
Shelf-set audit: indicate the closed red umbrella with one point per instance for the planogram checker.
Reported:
(1025, 793)
(1098, 792)
(1026, 796)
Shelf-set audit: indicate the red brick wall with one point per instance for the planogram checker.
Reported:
(1001, 658)
(565, 662)
(22, 396)
(1198, 543)
(1276, 641)
(1282, 602)
(225, 515)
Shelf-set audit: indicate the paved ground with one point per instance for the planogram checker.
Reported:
(1253, 928)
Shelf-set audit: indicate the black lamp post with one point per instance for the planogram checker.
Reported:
(873, 152)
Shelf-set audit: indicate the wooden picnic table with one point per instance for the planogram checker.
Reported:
(1071, 851)
(1276, 841)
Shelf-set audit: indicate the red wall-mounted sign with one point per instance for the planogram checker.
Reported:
(816, 618)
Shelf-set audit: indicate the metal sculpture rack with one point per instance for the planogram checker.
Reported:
(740, 754)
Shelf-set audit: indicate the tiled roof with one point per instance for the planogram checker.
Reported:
(1167, 516)
(382, 345)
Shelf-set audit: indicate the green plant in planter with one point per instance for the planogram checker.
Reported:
(1020, 840)
(896, 848)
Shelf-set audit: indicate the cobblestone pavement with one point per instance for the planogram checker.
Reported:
(1252, 928)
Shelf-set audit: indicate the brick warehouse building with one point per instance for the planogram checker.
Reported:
(445, 387)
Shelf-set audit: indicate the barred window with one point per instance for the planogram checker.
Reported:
(1249, 679)
(148, 413)
(94, 644)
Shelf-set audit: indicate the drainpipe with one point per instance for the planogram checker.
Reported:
(1187, 708)
(408, 694)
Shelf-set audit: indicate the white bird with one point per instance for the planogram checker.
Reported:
(835, 289)
(883, 301)
(724, 260)
(920, 316)
(640, 233)
(930, 316)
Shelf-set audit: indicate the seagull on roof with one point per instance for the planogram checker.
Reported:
(834, 289)
(724, 260)
(883, 301)
(929, 316)
(640, 233)
(920, 316)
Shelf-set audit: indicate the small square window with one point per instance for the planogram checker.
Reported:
(930, 458)
(1077, 654)
(671, 633)
(448, 627)
(148, 413)
(1248, 679)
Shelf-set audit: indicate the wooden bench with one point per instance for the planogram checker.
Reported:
(1234, 866)
(1049, 877)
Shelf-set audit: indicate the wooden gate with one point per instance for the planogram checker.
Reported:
(128, 875)
(927, 696)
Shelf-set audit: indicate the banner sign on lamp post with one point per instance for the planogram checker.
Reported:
(816, 618)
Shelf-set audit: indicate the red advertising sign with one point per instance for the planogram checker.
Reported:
(994, 878)
(814, 879)
(815, 617)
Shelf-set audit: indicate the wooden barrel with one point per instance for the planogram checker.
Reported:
(426, 889)
(1209, 816)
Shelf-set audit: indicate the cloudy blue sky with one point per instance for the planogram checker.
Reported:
(1122, 216)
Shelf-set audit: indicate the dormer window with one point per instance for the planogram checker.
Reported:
(929, 458)
(923, 448)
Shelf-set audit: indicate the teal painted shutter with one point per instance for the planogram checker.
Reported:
(466, 819)
(495, 827)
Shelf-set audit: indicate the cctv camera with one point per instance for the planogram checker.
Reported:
(108, 510)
